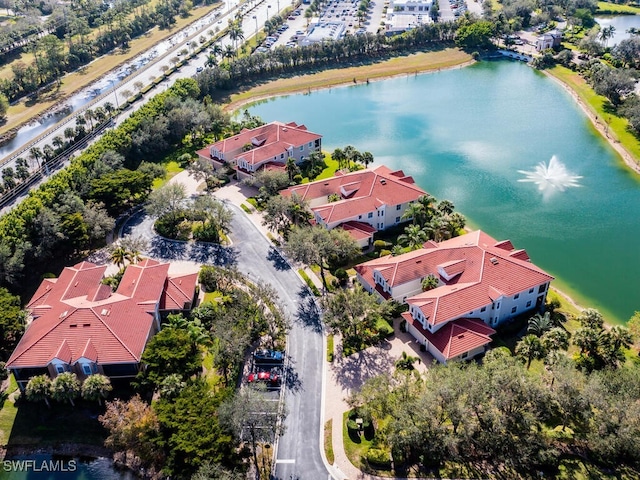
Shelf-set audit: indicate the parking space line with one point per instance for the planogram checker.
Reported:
(285, 461)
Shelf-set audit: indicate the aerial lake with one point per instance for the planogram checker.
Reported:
(471, 135)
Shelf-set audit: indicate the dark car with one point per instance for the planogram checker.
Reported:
(264, 355)
(267, 377)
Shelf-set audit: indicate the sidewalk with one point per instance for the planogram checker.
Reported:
(344, 375)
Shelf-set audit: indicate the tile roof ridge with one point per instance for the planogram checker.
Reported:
(126, 347)
(33, 343)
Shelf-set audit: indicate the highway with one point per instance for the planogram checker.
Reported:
(254, 12)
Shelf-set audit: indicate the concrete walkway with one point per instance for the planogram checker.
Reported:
(344, 375)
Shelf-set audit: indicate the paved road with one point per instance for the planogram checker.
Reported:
(298, 451)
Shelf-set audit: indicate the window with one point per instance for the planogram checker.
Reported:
(542, 288)
(483, 309)
(282, 156)
(370, 215)
(516, 296)
(531, 290)
(497, 305)
(86, 369)
(60, 368)
(398, 207)
(310, 144)
(464, 355)
(301, 148)
(528, 303)
(513, 310)
(382, 226)
(397, 219)
(359, 217)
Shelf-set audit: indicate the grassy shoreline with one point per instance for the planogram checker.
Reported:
(422, 62)
(610, 127)
(409, 64)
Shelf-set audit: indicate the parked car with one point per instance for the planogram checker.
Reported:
(199, 69)
(265, 355)
(267, 377)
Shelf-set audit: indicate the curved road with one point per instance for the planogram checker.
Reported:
(298, 453)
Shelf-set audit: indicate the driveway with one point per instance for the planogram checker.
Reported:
(298, 452)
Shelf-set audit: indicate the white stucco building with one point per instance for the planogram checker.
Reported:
(481, 284)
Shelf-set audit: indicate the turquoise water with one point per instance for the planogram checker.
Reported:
(464, 134)
(48, 467)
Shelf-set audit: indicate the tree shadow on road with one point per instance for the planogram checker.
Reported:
(351, 372)
(292, 382)
(212, 254)
(308, 313)
(277, 259)
(168, 249)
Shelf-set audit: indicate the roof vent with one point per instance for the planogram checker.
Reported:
(383, 181)
(64, 314)
(76, 284)
(494, 260)
(418, 261)
(461, 336)
(73, 325)
(86, 324)
(105, 311)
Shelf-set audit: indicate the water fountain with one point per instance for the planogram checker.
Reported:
(551, 177)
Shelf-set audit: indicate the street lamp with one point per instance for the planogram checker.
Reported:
(278, 5)
(256, 19)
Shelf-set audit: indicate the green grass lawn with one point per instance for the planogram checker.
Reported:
(329, 171)
(34, 424)
(617, 126)
(354, 447)
(173, 168)
(328, 443)
(617, 8)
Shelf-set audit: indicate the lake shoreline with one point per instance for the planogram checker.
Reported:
(599, 125)
(357, 76)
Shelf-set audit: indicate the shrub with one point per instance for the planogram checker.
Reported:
(342, 275)
(245, 208)
(352, 425)
(380, 244)
(4, 373)
(379, 458)
(384, 252)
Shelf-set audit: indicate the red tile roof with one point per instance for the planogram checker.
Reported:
(75, 316)
(457, 337)
(268, 141)
(361, 192)
(179, 292)
(358, 230)
(489, 272)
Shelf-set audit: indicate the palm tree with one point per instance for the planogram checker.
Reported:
(429, 283)
(539, 324)
(96, 387)
(39, 389)
(367, 158)
(413, 237)
(607, 33)
(229, 52)
(108, 106)
(211, 61)
(89, 115)
(58, 142)
(339, 156)
(292, 168)
(217, 50)
(555, 339)
(529, 349)
(119, 255)
(414, 212)
(235, 32)
(35, 154)
(65, 387)
(405, 362)
(445, 207)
